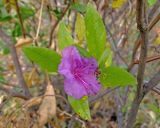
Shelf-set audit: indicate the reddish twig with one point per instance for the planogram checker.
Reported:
(150, 59)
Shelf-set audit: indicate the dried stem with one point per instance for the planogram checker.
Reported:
(39, 23)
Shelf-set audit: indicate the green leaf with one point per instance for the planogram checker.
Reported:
(5, 18)
(17, 30)
(80, 27)
(47, 59)
(2, 79)
(106, 58)
(81, 107)
(64, 36)
(6, 51)
(151, 2)
(26, 12)
(115, 76)
(95, 32)
(83, 52)
(57, 13)
(79, 7)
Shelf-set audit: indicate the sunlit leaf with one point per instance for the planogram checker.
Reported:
(47, 59)
(81, 107)
(106, 58)
(114, 76)
(95, 32)
(157, 41)
(64, 36)
(118, 3)
(80, 27)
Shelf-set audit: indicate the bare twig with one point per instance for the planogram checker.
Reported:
(154, 21)
(17, 65)
(156, 90)
(20, 18)
(100, 95)
(152, 83)
(119, 110)
(139, 41)
(72, 116)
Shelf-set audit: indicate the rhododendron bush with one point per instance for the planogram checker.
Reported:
(83, 75)
(79, 63)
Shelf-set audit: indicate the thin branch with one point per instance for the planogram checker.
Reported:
(152, 83)
(20, 18)
(154, 21)
(156, 90)
(100, 95)
(17, 65)
(56, 24)
(141, 24)
(153, 10)
(10, 92)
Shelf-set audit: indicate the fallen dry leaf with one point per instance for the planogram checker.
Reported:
(23, 41)
(48, 107)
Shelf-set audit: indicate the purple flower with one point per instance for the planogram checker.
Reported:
(80, 73)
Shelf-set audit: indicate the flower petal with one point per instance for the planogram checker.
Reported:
(74, 88)
(70, 59)
(90, 65)
(91, 84)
